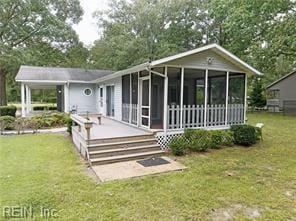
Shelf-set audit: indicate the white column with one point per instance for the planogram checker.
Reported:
(66, 98)
(181, 98)
(138, 106)
(165, 102)
(149, 110)
(206, 97)
(246, 90)
(130, 104)
(23, 100)
(226, 99)
(28, 99)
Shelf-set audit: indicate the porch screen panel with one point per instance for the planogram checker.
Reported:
(157, 97)
(134, 98)
(193, 98)
(236, 98)
(126, 98)
(174, 95)
(216, 103)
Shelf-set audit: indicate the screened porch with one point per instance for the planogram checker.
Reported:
(174, 98)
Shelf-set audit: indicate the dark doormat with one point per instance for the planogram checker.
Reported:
(155, 161)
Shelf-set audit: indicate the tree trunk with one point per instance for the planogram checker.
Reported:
(3, 100)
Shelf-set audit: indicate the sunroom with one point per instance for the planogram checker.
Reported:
(202, 88)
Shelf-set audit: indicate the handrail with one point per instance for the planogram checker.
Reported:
(83, 122)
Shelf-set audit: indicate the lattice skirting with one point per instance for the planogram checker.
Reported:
(163, 139)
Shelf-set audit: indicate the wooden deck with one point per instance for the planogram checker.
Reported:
(112, 141)
(112, 129)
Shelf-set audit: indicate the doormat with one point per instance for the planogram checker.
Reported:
(155, 161)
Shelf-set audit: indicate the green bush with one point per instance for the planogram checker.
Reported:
(245, 135)
(48, 120)
(6, 123)
(198, 140)
(69, 126)
(44, 108)
(178, 145)
(221, 138)
(20, 124)
(8, 110)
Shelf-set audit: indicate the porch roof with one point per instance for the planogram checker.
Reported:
(56, 75)
(214, 47)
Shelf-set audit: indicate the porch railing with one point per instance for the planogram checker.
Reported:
(193, 115)
(130, 113)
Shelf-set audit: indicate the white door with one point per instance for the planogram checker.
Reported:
(145, 102)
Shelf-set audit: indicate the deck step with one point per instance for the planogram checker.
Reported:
(122, 144)
(123, 150)
(126, 157)
(121, 139)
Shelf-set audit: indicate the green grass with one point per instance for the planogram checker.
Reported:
(44, 170)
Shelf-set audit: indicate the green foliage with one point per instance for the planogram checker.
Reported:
(245, 135)
(256, 96)
(69, 126)
(42, 108)
(178, 145)
(8, 110)
(221, 138)
(198, 140)
(20, 124)
(48, 120)
(7, 122)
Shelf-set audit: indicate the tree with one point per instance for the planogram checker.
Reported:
(24, 23)
(256, 96)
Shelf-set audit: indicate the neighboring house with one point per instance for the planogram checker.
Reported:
(281, 94)
(202, 88)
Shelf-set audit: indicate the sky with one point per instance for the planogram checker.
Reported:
(87, 28)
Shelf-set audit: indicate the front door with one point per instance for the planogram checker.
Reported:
(110, 101)
(145, 102)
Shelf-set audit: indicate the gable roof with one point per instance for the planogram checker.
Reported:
(281, 79)
(216, 48)
(57, 74)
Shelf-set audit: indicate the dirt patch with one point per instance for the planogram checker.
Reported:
(232, 212)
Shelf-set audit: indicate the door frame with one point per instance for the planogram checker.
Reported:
(141, 79)
(109, 101)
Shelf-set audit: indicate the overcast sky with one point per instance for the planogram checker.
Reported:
(87, 29)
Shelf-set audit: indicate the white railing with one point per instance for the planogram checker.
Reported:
(235, 114)
(215, 115)
(130, 115)
(193, 115)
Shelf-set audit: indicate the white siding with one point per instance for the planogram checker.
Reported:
(83, 102)
(117, 96)
(200, 61)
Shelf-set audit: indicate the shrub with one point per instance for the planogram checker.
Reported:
(20, 124)
(198, 140)
(69, 126)
(6, 123)
(47, 120)
(178, 145)
(221, 138)
(44, 108)
(8, 110)
(245, 135)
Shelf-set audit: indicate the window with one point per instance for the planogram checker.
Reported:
(87, 91)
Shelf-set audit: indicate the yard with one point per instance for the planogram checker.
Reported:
(245, 183)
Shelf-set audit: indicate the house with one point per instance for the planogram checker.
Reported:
(202, 88)
(281, 94)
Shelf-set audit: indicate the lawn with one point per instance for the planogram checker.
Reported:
(257, 182)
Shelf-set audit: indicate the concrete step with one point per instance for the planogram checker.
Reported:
(126, 157)
(121, 144)
(122, 151)
(121, 139)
